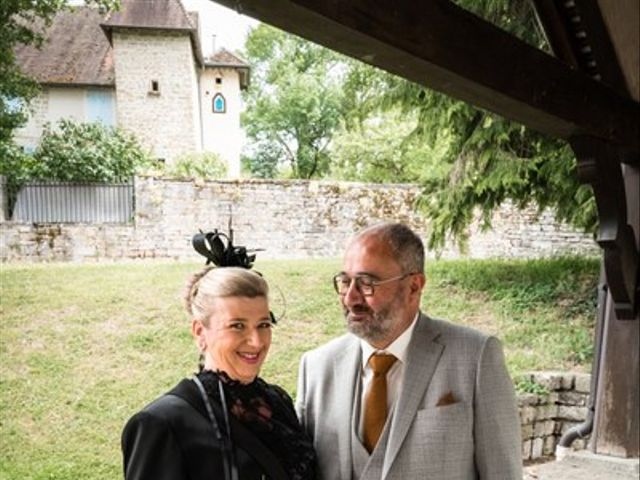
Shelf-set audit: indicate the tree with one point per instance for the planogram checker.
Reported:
(482, 159)
(382, 149)
(22, 22)
(293, 105)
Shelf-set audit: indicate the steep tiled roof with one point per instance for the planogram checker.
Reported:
(75, 51)
(224, 58)
(156, 14)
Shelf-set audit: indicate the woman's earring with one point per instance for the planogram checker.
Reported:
(201, 362)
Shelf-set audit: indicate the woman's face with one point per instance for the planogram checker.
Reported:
(237, 338)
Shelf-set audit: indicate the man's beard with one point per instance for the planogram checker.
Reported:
(374, 330)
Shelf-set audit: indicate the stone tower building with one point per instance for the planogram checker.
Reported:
(140, 69)
(157, 59)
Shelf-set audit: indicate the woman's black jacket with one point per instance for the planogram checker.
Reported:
(173, 439)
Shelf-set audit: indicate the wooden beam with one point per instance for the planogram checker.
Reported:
(441, 46)
(578, 36)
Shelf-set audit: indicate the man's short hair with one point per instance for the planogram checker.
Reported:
(406, 246)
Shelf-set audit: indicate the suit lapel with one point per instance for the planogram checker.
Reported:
(423, 356)
(346, 373)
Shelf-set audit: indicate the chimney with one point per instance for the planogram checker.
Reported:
(213, 44)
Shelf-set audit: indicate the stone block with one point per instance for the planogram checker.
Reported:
(550, 380)
(543, 429)
(568, 380)
(528, 414)
(537, 447)
(549, 446)
(572, 399)
(574, 414)
(526, 449)
(527, 431)
(583, 383)
(547, 412)
(527, 399)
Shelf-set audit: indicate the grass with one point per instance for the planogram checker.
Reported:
(82, 347)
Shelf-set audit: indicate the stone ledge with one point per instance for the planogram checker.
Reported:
(585, 465)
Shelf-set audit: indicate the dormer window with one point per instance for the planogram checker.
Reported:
(154, 87)
(219, 103)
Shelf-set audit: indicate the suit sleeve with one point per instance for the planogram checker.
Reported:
(498, 442)
(150, 449)
(300, 394)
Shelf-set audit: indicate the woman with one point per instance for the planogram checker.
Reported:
(225, 423)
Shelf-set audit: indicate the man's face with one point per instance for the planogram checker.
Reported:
(382, 317)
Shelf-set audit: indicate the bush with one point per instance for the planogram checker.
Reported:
(206, 166)
(88, 152)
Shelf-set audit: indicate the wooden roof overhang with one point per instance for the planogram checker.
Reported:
(439, 45)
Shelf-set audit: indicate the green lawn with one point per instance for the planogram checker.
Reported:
(82, 347)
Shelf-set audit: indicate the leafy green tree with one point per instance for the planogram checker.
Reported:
(481, 159)
(21, 22)
(382, 149)
(293, 105)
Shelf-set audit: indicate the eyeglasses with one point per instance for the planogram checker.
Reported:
(364, 283)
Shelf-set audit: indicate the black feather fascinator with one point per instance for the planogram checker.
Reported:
(218, 248)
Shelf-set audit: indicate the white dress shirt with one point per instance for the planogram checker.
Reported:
(398, 349)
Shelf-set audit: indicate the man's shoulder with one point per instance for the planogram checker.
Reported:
(449, 331)
(332, 347)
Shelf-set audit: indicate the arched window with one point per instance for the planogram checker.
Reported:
(219, 103)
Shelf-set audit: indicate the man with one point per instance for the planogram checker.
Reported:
(434, 402)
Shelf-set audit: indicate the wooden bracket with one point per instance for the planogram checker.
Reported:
(599, 164)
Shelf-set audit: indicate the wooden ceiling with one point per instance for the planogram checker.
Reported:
(444, 47)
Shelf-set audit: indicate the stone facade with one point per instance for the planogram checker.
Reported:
(289, 219)
(166, 118)
(545, 417)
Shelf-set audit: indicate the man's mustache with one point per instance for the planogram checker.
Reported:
(357, 309)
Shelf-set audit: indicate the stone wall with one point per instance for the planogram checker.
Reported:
(289, 219)
(545, 417)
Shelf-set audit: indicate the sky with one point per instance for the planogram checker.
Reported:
(229, 27)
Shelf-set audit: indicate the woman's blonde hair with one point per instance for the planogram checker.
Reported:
(204, 287)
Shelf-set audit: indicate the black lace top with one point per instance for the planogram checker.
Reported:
(267, 410)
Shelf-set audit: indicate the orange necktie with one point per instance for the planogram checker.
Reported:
(375, 410)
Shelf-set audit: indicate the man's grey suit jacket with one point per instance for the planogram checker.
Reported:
(475, 437)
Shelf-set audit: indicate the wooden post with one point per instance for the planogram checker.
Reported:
(617, 418)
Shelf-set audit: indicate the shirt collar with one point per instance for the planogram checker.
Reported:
(398, 347)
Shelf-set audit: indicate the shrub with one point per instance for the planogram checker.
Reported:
(205, 165)
(528, 385)
(87, 152)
